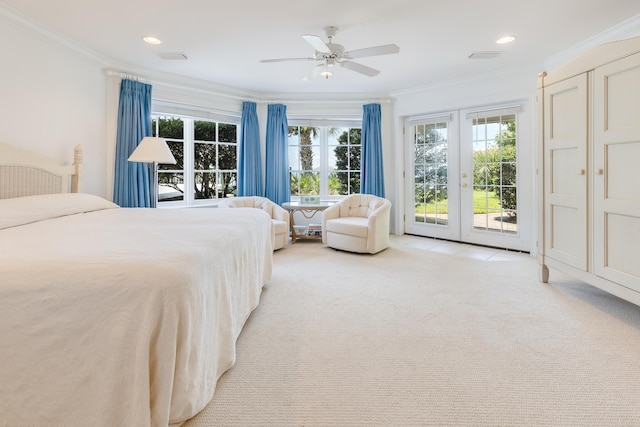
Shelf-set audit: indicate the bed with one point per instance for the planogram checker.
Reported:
(112, 316)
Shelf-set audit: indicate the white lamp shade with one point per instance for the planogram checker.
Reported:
(152, 149)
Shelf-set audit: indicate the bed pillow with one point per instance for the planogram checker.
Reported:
(25, 210)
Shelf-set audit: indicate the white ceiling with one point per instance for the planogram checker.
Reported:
(224, 40)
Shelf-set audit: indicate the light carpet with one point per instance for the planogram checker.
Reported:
(414, 337)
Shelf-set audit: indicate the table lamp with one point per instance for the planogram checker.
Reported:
(153, 150)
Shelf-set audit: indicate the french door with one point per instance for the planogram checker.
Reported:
(463, 180)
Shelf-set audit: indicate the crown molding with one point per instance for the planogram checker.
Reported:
(20, 21)
(470, 80)
(624, 30)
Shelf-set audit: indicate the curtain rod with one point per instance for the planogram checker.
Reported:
(129, 76)
(177, 86)
(327, 101)
(142, 79)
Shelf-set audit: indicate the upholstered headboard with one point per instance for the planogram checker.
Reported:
(25, 173)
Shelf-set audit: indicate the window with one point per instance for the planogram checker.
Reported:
(206, 159)
(324, 161)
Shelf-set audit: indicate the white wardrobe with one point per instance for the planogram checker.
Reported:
(589, 169)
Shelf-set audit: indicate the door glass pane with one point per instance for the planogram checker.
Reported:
(494, 174)
(431, 173)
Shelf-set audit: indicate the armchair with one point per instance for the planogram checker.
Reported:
(357, 223)
(279, 216)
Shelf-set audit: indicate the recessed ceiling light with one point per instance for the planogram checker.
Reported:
(151, 40)
(505, 39)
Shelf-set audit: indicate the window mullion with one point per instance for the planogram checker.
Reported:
(324, 159)
(189, 160)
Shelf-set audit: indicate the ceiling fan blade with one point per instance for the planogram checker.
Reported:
(359, 68)
(373, 51)
(286, 59)
(315, 72)
(317, 43)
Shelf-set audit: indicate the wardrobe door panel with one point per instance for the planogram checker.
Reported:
(616, 181)
(622, 163)
(622, 246)
(565, 151)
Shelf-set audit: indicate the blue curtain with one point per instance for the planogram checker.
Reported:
(277, 187)
(249, 161)
(133, 180)
(371, 168)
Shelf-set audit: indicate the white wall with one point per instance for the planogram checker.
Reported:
(52, 99)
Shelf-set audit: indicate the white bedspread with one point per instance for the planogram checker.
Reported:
(124, 317)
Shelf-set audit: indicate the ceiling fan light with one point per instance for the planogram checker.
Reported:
(331, 54)
(326, 73)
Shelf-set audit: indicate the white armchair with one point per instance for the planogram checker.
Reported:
(279, 216)
(357, 223)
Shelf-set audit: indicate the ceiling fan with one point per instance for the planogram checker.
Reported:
(330, 54)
